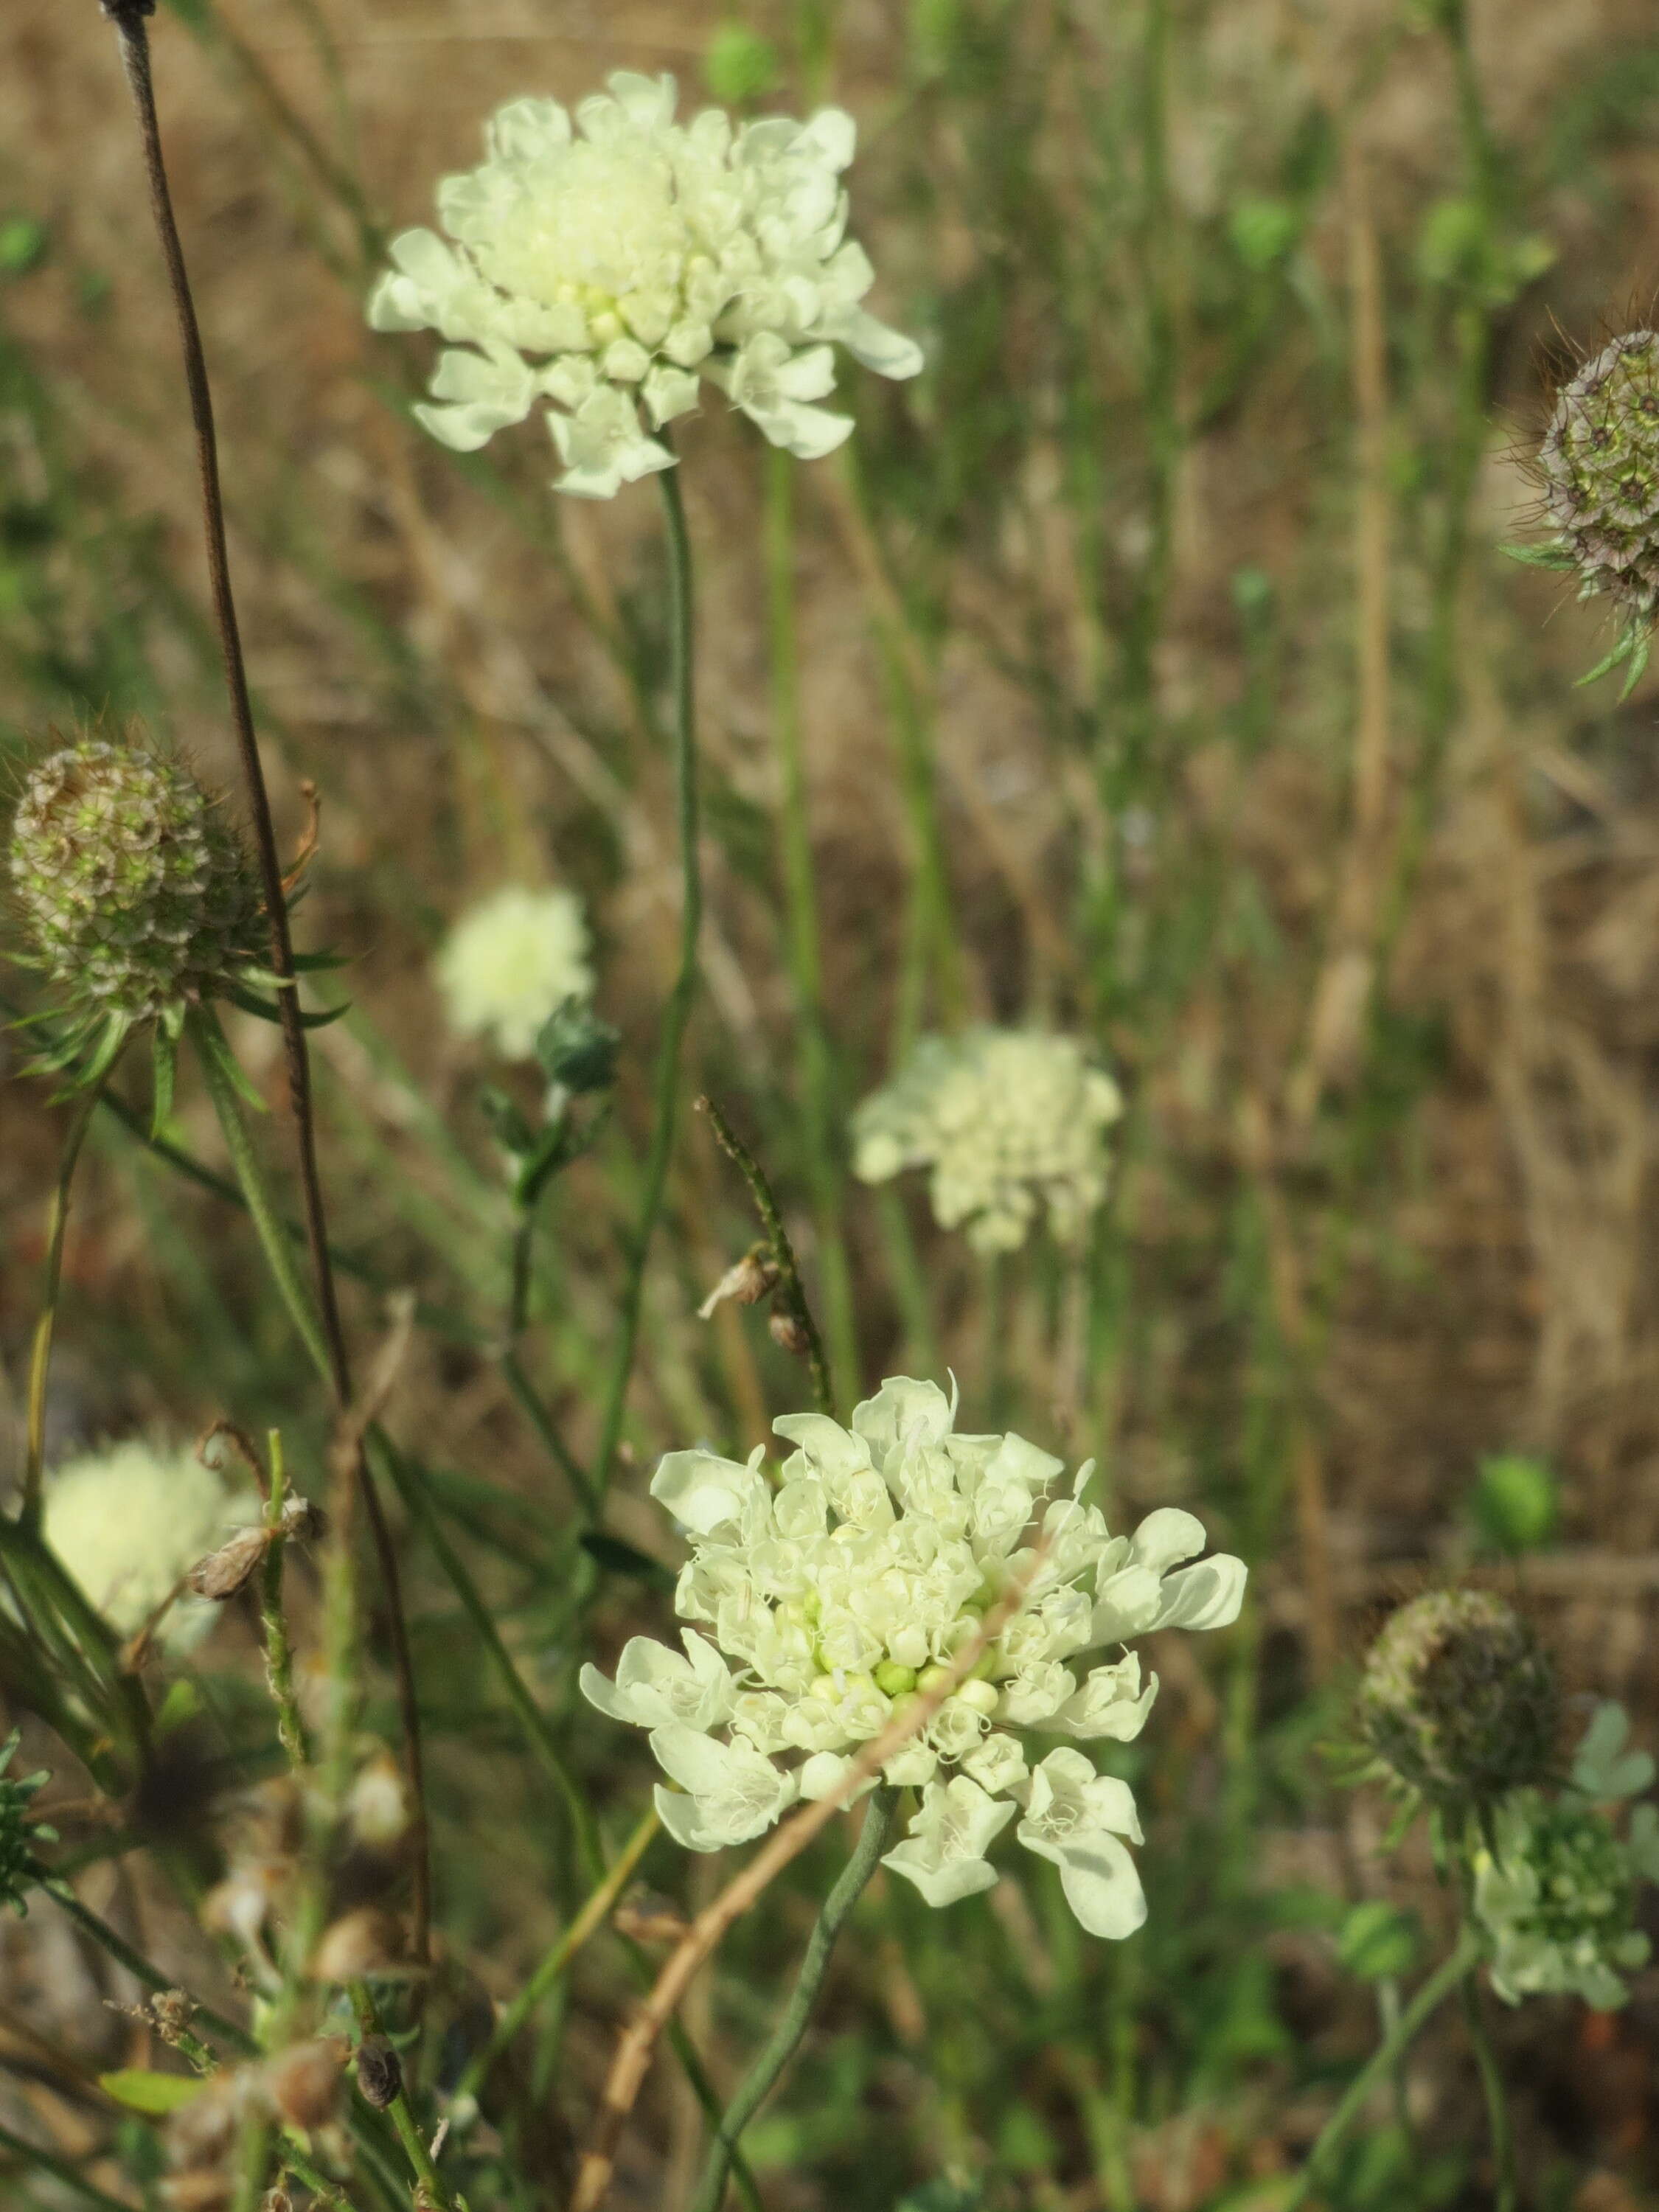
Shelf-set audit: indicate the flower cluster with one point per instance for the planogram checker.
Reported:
(129, 1522)
(1008, 1120)
(510, 963)
(1556, 1889)
(610, 266)
(136, 892)
(847, 1589)
(18, 1831)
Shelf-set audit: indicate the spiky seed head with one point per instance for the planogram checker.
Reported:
(1600, 462)
(1459, 1699)
(19, 1833)
(137, 893)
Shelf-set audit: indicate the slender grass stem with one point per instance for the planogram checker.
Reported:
(1491, 2085)
(785, 2040)
(677, 1014)
(431, 2195)
(1433, 1993)
(279, 1654)
(40, 1352)
(138, 1966)
(129, 18)
(61, 2169)
(570, 1940)
(815, 1057)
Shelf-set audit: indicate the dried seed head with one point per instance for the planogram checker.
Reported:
(1600, 462)
(788, 1330)
(137, 893)
(1459, 1699)
(19, 1833)
(379, 2072)
(226, 1570)
(745, 1282)
(304, 2082)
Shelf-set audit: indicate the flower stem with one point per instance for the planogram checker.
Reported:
(1452, 1970)
(138, 1966)
(783, 1252)
(1492, 2084)
(40, 1354)
(279, 1654)
(786, 2036)
(677, 1014)
(132, 35)
(816, 1062)
(430, 2193)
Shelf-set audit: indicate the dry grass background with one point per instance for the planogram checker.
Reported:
(1358, 1240)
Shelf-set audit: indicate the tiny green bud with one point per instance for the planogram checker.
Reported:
(740, 65)
(893, 1680)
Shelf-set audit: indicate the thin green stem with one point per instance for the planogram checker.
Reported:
(783, 1252)
(61, 2170)
(210, 1049)
(430, 2193)
(279, 1654)
(677, 1014)
(1491, 2085)
(565, 1946)
(786, 2036)
(815, 1059)
(539, 1733)
(1433, 1993)
(40, 1353)
(138, 1966)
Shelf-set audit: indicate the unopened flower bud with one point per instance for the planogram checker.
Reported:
(1459, 1699)
(1599, 461)
(136, 892)
(745, 1282)
(304, 2082)
(379, 2072)
(788, 1330)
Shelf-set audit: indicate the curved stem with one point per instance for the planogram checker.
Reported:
(786, 2036)
(1430, 1998)
(677, 1015)
(1497, 2110)
(40, 1353)
(128, 17)
(783, 1252)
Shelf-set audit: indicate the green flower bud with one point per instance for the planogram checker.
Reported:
(1459, 1699)
(135, 893)
(19, 1834)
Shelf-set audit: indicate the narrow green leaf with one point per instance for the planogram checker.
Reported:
(156, 2095)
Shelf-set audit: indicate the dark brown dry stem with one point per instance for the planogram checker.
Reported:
(128, 17)
(792, 1292)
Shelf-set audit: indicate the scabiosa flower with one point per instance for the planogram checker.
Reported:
(510, 963)
(1010, 1122)
(1459, 1699)
(136, 895)
(19, 1832)
(610, 267)
(827, 1601)
(1556, 1887)
(1599, 467)
(129, 1521)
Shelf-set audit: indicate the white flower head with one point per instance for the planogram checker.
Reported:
(1556, 1889)
(829, 1597)
(1011, 1123)
(510, 961)
(129, 1521)
(607, 265)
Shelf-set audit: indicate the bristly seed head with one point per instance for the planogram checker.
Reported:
(1600, 460)
(137, 893)
(1459, 1699)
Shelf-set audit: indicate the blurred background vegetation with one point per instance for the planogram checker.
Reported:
(1148, 669)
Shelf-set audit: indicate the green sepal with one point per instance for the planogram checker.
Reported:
(1638, 661)
(106, 1052)
(211, 1043)
(164, 1062)
(1622, 650)
(1540, 557)
(268, 1011)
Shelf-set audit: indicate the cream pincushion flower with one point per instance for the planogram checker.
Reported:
(610, 267)
(129, 1521)
(1010, 1122)
(509, 962)
(827, 1599)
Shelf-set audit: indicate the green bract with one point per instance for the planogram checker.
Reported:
(19, 1834)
